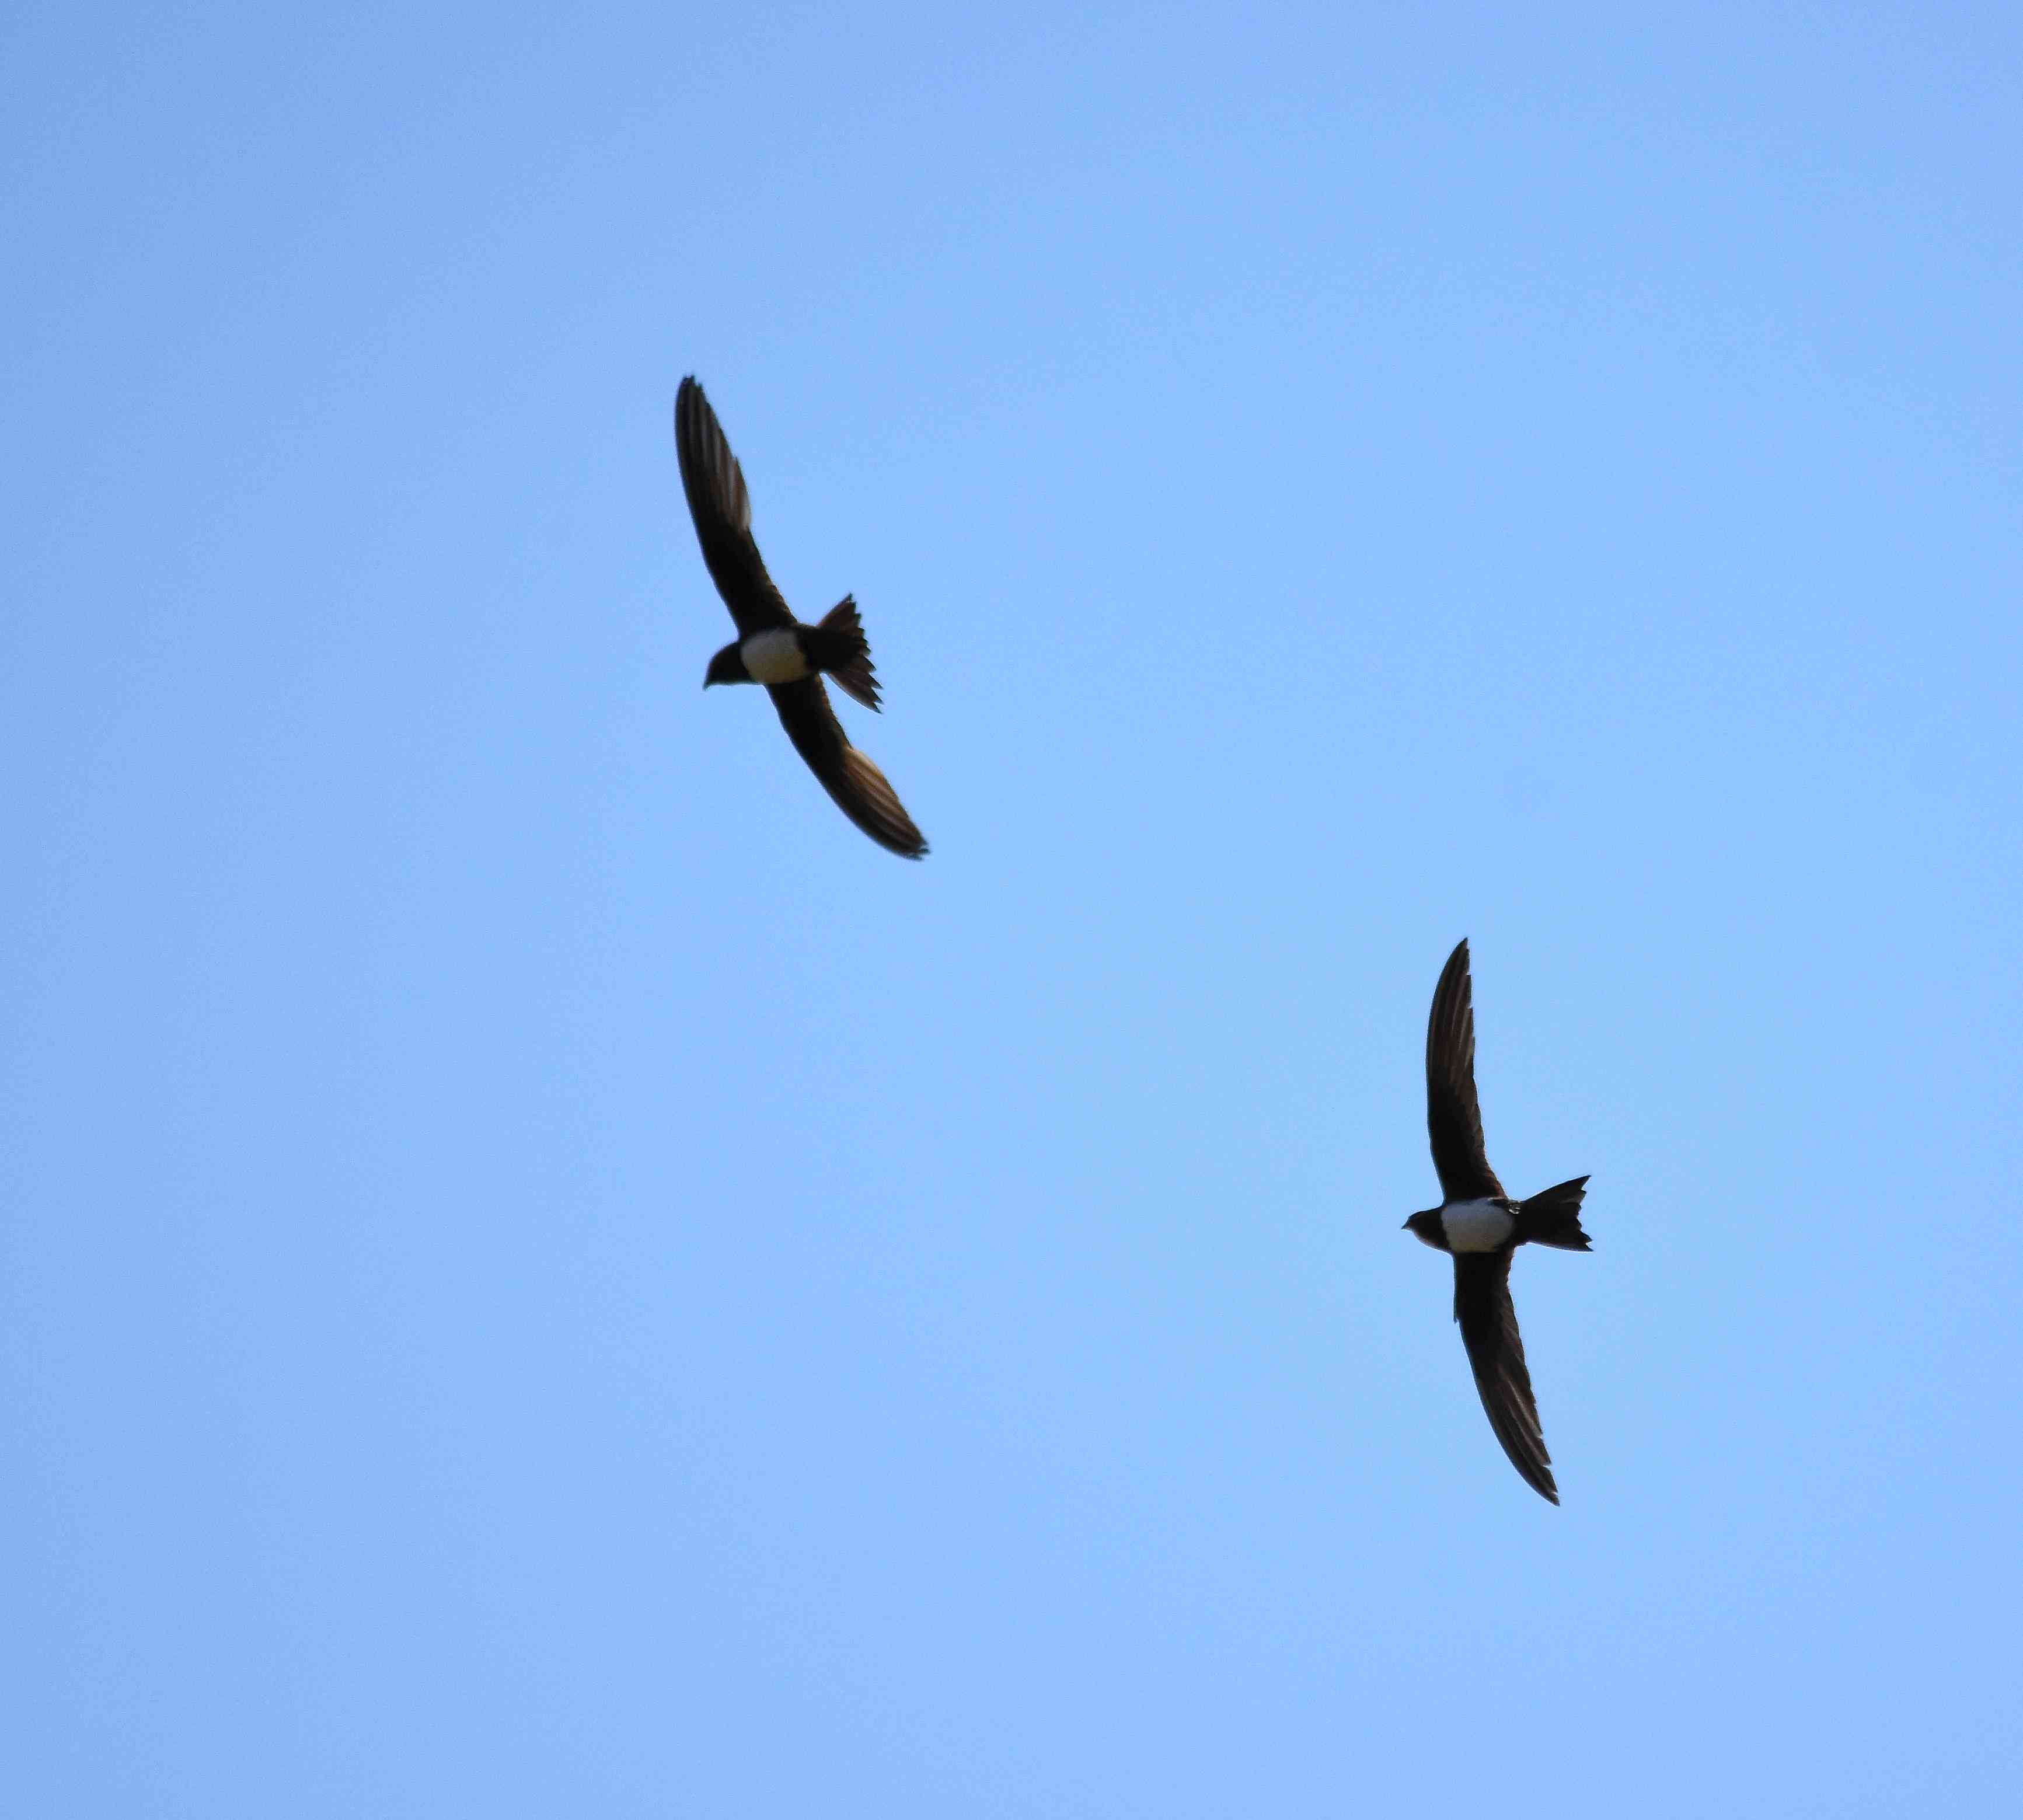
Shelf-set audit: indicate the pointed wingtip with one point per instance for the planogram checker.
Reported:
(1535, 1472)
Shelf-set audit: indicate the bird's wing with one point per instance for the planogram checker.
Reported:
(722, 509)
(1496, 1354)
(1454, 1118)
(859, 785)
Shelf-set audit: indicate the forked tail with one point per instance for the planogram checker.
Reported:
(1554, 1216)
(842, 651)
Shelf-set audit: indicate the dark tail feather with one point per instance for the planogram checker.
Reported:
(844, 653)
(1553, 1218)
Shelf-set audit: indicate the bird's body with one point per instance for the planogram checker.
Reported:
(1481, 1227)
(776, 657)
(774, 649)
(782, 654)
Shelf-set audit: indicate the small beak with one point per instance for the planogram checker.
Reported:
(1407, 1227)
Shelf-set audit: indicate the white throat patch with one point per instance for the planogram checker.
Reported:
(774, 656)
(1476, 1225)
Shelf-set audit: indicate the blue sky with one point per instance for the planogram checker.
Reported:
(544, 1273)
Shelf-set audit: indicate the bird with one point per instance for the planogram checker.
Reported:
(1482, 1227)
(775, 649)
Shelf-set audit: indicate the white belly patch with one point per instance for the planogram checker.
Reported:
(1476, 1225)
(774, 656)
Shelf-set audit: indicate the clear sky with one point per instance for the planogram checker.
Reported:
(542, 1273)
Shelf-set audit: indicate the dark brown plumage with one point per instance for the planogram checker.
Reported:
(721, 509)
(1474, 1198)
(1496, 1355)
(1453, 1116)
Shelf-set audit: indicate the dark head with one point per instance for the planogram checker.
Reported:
(727, 666)
(1427, 1230)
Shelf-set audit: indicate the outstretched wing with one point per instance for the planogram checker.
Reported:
(1454, 1119)
(1496, 1354)
(859, 785)
(722, 509)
